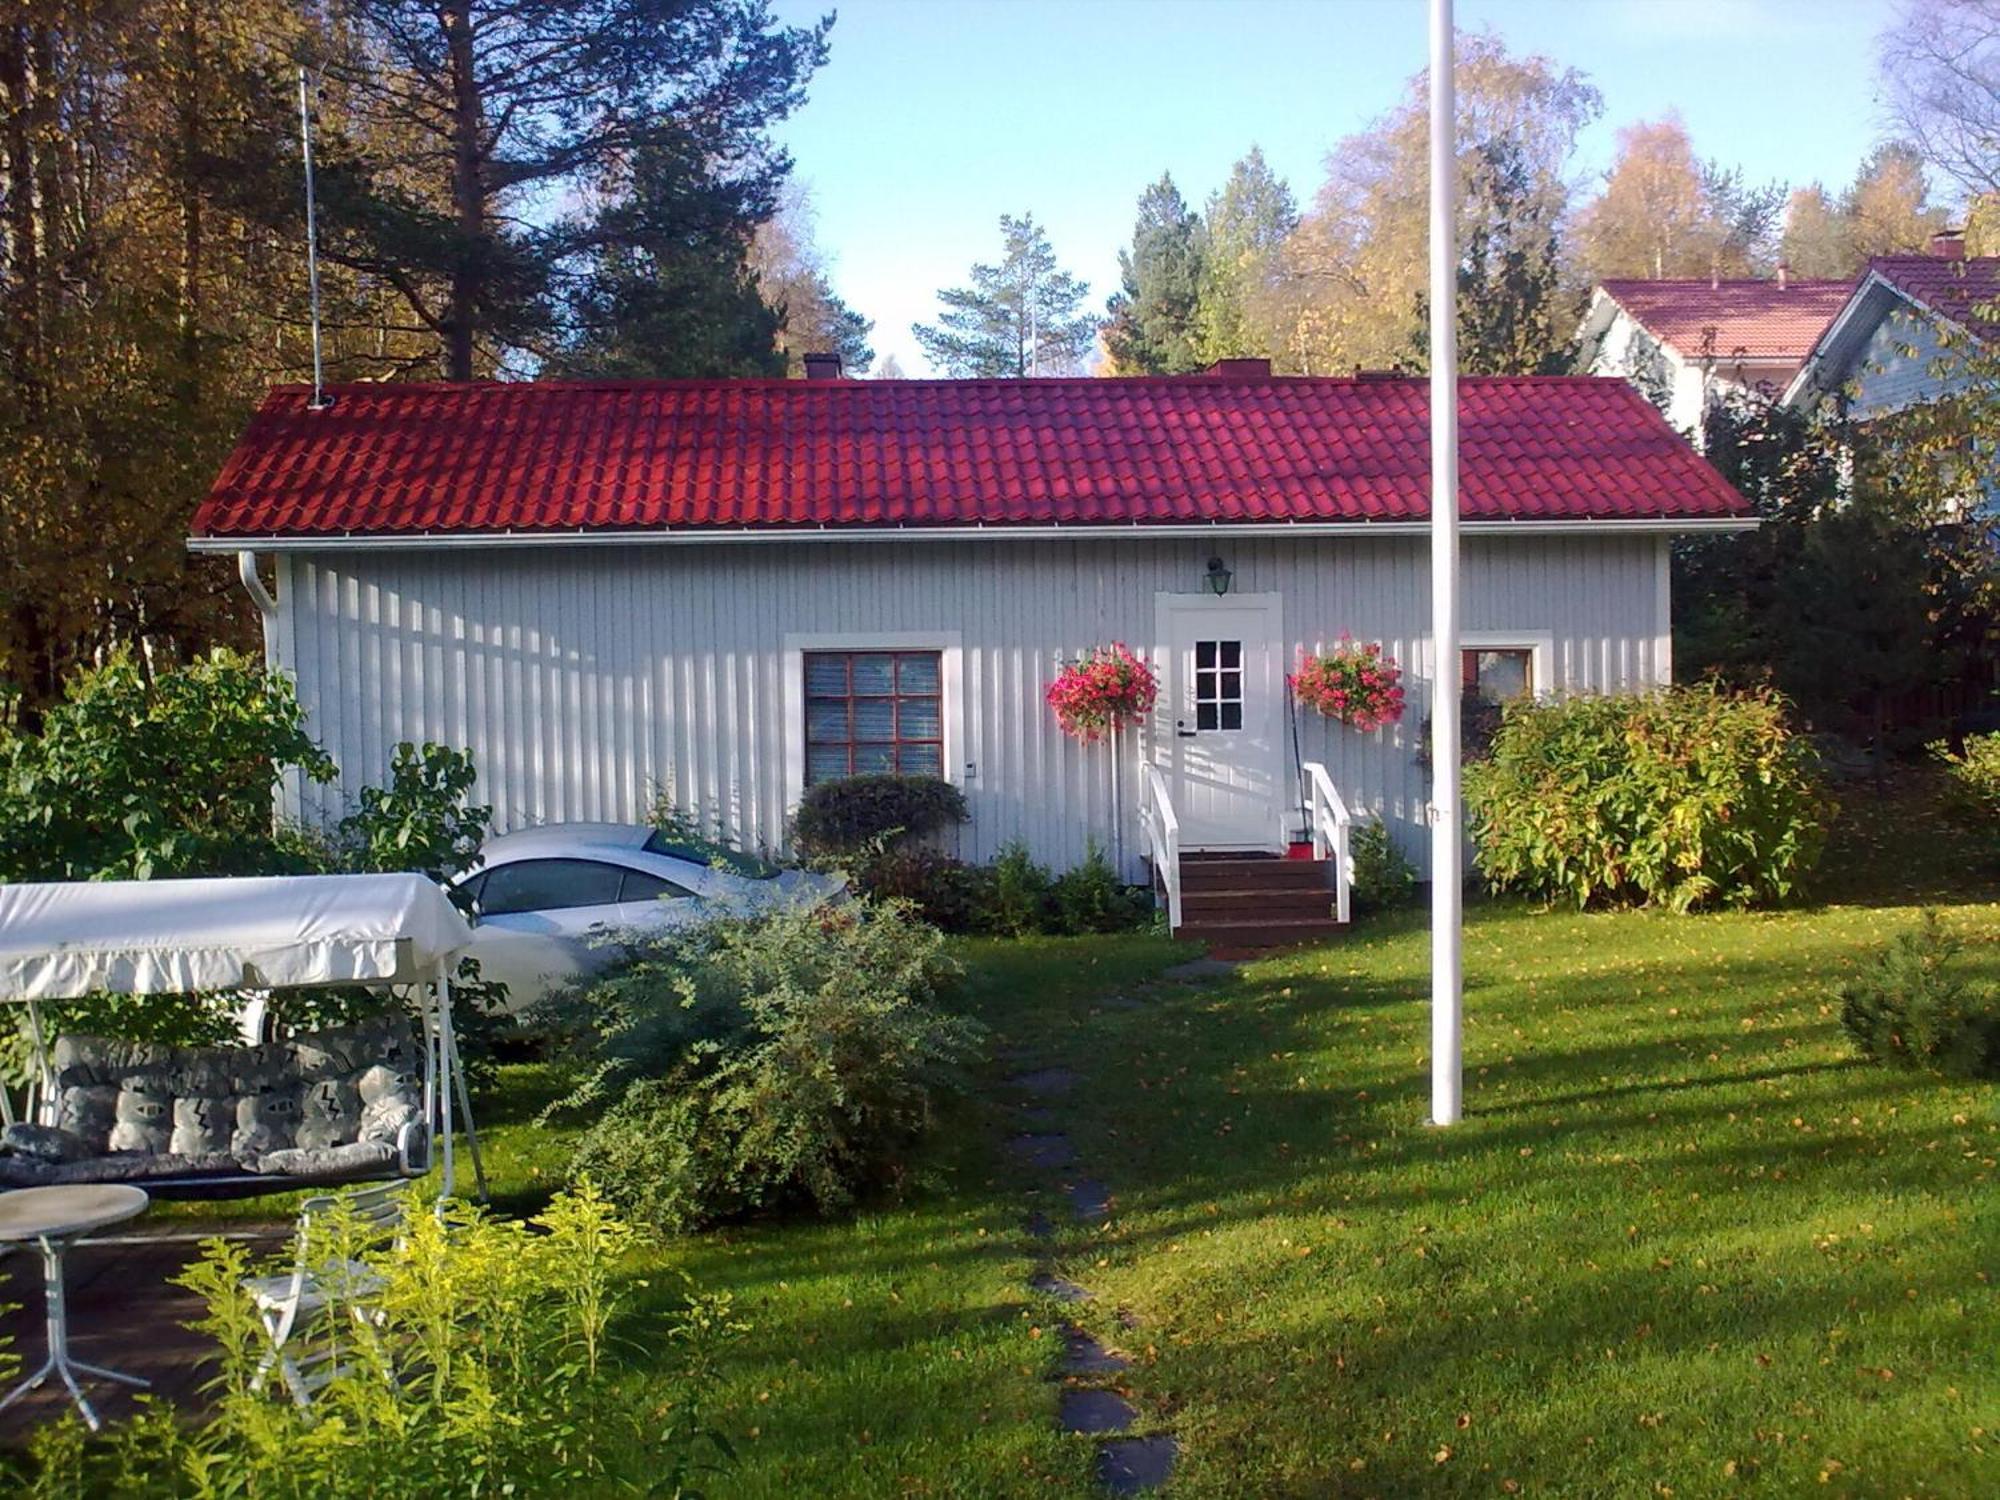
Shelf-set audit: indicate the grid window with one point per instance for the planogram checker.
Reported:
(1218, 685)
(1498, 674)
(873, 711)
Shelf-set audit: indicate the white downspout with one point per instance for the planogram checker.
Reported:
(267, 607)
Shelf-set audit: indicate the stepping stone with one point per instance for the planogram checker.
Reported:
(1048, 1153)
(1059, 1287)
(1119, 1002)
(1094, 1411)
(1039, 1226)
(1197, 969)
(1035, 1114)
(1131, 1466)
(1083, 1355)
(1089, 1199)
(1046, 1083)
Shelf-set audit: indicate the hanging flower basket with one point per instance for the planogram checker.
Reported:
(1105, 689)
(1355, 684)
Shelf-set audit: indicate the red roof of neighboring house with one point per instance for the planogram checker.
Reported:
(399, 460)
(1751, 320)
(1963, 290)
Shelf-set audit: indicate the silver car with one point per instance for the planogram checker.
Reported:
(545, 900)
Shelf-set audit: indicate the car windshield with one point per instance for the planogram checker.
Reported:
(735, 861)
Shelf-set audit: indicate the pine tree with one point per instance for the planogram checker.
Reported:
(1151, 325)
(1242, 240)
(1022, 316)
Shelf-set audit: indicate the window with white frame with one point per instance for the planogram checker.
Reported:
(873, 712)
(1498, 674)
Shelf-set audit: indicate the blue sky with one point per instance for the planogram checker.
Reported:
(935, 116)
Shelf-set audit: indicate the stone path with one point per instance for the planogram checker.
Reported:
(1090, 1401)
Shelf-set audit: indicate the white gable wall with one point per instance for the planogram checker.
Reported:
(583, 677)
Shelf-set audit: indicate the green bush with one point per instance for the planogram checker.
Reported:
(421, 821)
(1972, 795)
(1685, 797)
(1090, 898)
(487, 1366)
(837, 818)
(1382, 877)
(946, 892)
(1911, 1008)
(1021, 899)
(135, 775)
(794, 1058)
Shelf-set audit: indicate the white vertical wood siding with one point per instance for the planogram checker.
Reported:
(582, 678)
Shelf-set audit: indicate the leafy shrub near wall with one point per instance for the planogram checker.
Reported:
(1973, 785)
(1090, 897)
(1910, 1007)
(1685, 797)
(847, 816)
(1020, 901)
(1383, 878)
(791, 1059)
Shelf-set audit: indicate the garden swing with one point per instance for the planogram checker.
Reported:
(349, 1104)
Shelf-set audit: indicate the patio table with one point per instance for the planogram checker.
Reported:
(54, 1217)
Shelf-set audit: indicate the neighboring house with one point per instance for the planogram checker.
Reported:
(728, 589)
(1683, 343)
(1886, 348)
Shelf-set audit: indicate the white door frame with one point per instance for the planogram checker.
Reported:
(1167, 607)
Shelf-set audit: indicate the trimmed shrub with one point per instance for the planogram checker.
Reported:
(1972, 795)
(792, 1059)
(1020, 901)
(946, 892)
(1383, 878)
(1909, 1007)
(837, 818)
(1091, 898)
(1686, 797)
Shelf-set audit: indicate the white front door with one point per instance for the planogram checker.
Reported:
(1222, 718)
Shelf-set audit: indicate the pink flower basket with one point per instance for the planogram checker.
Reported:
(1106, 689)
(1355, 684)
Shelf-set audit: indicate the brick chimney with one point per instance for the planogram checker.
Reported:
(823, 366)
(1241, 369)
(1949, 244)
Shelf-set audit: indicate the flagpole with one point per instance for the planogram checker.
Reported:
(1447, 875)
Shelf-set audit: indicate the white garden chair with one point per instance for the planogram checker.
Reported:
(290, 1305)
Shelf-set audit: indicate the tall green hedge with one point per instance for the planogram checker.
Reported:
(1685, 797)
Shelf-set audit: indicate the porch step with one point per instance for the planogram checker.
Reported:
(1240, 872)
(1240, 903)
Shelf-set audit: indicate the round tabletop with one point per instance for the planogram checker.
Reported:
(56, 1212)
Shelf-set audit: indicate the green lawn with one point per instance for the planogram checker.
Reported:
(1683, 1243)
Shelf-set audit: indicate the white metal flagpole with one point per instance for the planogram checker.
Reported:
(1447, 875)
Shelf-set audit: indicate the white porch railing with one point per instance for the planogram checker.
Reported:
(1332, 834)
(1162, 833)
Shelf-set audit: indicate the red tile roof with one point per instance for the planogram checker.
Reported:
(409, 459)
(1962, 290)
(1750, 320)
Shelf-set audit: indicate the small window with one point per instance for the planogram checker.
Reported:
(1498, 674)
(1218, 685)
(549, 885)
(874, 712)
(639, 886)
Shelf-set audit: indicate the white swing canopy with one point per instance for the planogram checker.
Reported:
(157, 937)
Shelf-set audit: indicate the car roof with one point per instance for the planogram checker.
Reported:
(545, 836)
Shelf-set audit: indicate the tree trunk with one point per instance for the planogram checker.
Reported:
(188, 191)
(20, 182)
(467, 193)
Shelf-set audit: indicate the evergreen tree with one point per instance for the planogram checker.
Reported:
(1151, 326)
(1022, 316)
(1242, 240)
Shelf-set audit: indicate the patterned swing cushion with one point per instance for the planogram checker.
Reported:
(326, 1103)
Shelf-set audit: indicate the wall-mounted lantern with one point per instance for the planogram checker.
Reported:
(1218, 577)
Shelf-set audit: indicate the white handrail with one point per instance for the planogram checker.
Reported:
(1332, 829)
(1162, 831)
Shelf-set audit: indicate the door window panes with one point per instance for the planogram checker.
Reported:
(1218, 685)
(873, 712)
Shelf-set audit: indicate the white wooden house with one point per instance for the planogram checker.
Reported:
(1683, 344)
(728, 589)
